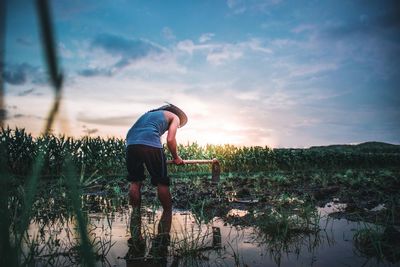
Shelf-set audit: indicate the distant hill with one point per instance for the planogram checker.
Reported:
(377, 145)
(363, 147)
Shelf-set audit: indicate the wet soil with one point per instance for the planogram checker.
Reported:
(374, 203)
(371, 196)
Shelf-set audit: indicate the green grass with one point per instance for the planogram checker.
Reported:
(378, 242)
(106, 157)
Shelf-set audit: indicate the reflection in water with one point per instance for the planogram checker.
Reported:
(188, 243)
(158, 251)
(381, 243)
(273, 240)
(157, 254)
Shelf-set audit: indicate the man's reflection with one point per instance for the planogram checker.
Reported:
(158, 251)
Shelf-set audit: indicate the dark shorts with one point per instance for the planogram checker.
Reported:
(154, 158)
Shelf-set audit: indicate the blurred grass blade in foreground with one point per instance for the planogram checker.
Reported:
(56, 77)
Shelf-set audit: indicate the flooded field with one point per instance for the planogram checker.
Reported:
(237, 238)
(66, 204)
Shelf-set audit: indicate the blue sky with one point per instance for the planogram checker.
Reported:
(258, 72)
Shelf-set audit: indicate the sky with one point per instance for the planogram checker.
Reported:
(274, 73)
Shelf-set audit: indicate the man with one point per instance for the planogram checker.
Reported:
(144, 148)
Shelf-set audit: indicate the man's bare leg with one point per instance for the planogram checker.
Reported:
(135, 199)
(164, 196)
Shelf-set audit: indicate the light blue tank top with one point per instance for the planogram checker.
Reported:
(148, 129)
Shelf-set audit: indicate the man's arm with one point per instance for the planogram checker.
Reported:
(171, 139)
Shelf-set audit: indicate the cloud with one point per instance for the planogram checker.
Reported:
(19, 74)
(89, 131)
(242, 6)
(382, 25)
(128, 49)
(304, 28)
(15, 76)
(222, 54)
(371, 41)
(108, 121)
(64, 51)
(218, 53)
(256, 45)
(215, 53)
(23, 116)
(168, 33)
(123, 52)
(90, 72)
(190, 47)
(206, 37)
(312, 69)
(248, 96)
(26, 92)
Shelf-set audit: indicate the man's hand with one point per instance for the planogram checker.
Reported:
(178, 161)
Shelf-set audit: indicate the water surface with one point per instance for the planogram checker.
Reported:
(215, 243)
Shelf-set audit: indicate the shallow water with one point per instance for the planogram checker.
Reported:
(216, 243)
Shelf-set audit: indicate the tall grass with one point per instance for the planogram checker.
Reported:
(106, 157)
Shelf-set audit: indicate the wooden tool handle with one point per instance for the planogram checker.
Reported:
(195, 161)
(216, 170)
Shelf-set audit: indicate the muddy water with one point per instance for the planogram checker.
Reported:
(216, 243)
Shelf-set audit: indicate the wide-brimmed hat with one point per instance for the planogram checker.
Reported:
(177, 111)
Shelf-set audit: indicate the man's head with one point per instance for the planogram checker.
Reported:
(177, 111)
